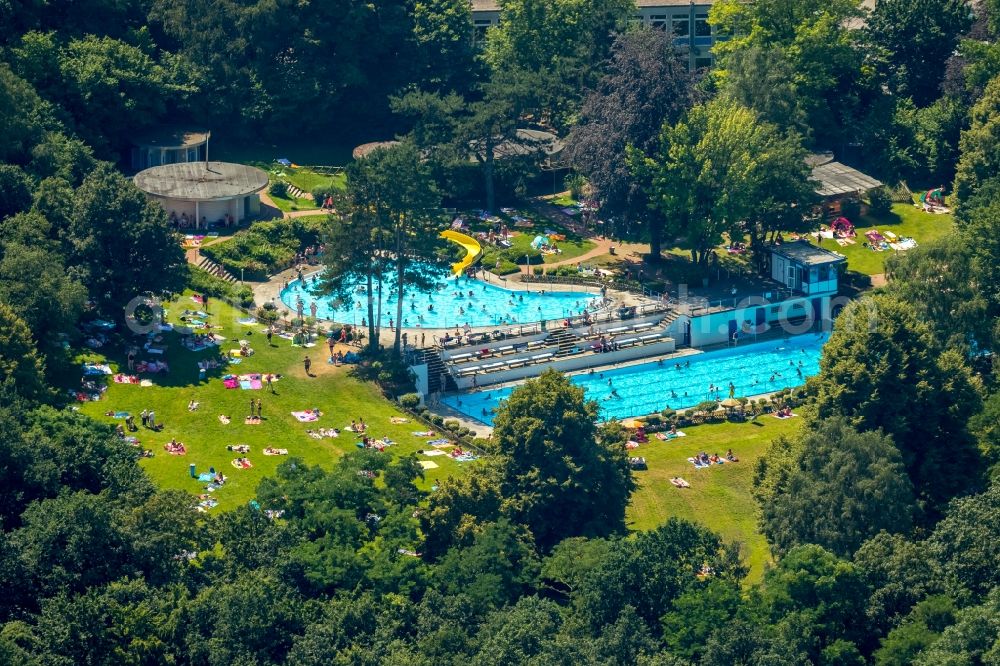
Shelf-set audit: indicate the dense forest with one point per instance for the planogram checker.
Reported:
(883, 515)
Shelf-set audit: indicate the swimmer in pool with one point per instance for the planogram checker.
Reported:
(687, 364)
(614, 393)
(609, 382)
(798, 371)
(470, 293)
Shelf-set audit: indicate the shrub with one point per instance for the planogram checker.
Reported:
(505, 268)
(245, 296)
(278, 188)
(203, 282)
(529, 256)
(669, 413)
(851, 210)
(705, 406)
(437, 420)
(538, 270)
(266, 247)
(410, 400)
(654, 419)
(575, 182)
(452, 424)
(879, 202)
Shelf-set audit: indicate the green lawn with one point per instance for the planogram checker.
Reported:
(904, 220)
(719, 497)
(572, 247)
(340, 397)
(289, 204)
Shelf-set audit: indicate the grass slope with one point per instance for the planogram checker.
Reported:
(904, 220)
(719, 497)
(340, 397)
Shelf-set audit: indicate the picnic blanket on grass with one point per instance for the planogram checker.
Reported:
(307, 416)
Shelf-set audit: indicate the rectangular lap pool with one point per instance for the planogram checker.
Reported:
(637, 390)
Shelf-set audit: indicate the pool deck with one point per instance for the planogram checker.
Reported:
(270, 292)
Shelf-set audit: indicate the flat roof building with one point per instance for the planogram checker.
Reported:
(202, 193)
(169, 145)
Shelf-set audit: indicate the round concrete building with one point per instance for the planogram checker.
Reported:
(196, 194)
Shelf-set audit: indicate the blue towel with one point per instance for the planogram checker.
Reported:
(245, 384)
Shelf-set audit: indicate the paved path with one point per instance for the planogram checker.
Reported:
(268, 201)
(878, 280)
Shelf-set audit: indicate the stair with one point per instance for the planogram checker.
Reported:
(565, 340)
(216, 269)
(436, 370)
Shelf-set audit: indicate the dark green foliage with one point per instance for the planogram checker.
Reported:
(967, 545)
(266, 247)
(879, 202)
(920, 630)
(15, 190)
(911, 40)
(882, 368)
(841, 488)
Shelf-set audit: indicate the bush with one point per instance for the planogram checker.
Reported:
(505, 268)
(452, 424)
(244, 295)
(851, 210)
(879, 202)
(538, 271)
(669, 413)
(705, 406)
(575, 182)
(203, 282)
(410, 400)
(266, 247)
(530, 256)
(437, 420)
(278, 188)
(654, 419)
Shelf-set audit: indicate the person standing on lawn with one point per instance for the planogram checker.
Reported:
(307, 363)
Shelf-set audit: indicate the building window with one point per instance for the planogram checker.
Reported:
(658, 21)
(702, 63)
(701, 26)
(681, 26)
(481, 27)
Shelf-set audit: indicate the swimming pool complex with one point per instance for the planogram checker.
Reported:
(455, 302)
(680, 383)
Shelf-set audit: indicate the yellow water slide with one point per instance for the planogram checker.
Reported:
(472, 249)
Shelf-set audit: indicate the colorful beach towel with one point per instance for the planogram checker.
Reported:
(306, 417)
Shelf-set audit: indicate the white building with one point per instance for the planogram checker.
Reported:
(204, 192)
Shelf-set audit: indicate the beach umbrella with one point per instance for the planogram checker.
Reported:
(720, 410)
(730, 402)
(633, 423)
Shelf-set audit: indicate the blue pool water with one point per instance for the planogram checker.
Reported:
(449, 305)
(757, 368)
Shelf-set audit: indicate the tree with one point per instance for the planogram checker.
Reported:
(979, 145)
(646, 85)
(966, 543)
(555, 472)
(986, 427)
(36, 284)
(910, 42)
(23, 115)
(822, 51)
(719, 167)
(900, 573)
(845, 487)
(882, 368)
(817, 601)
(561, 41)
(920, 630)
(412, 207)
(443, 32)
(696, 615)
(15, 190)
(762, 79)
(973, 639)
(21, 369)
(121, 242)
(650, 570)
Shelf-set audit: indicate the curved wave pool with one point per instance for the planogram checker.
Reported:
(453, 302)
(678, 383)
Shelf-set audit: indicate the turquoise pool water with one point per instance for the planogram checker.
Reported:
(455, 302)
(637, 390)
